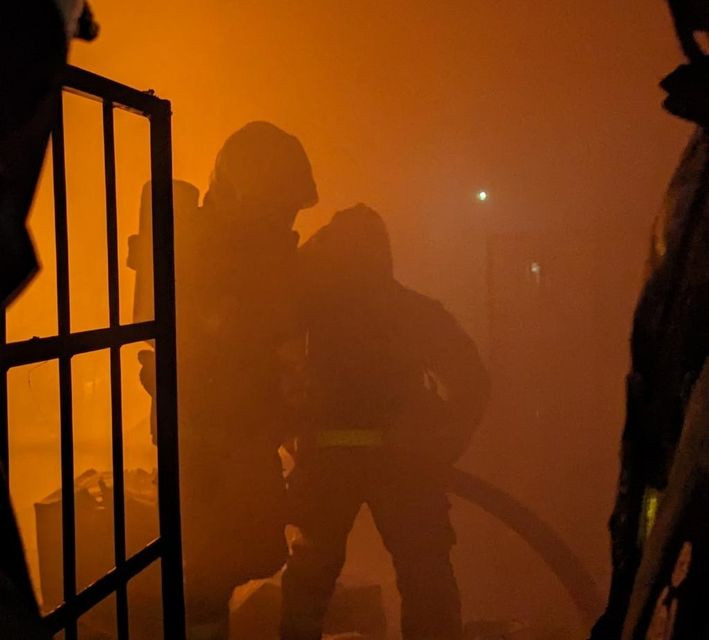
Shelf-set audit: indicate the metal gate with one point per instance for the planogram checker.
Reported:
(65, 345)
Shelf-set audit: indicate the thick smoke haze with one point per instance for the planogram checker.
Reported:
(551, 108)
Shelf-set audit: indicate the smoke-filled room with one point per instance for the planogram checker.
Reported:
(354, 320)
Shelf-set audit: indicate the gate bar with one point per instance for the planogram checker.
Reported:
(85, 600)
(119, 509)
(65, 390)
(166, 372)
(34, 350)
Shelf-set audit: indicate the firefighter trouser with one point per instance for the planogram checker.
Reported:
(328, 488)
(233, 511)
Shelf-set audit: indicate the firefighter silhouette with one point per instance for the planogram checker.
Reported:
(669, 341)
(34, 39)
(395, 388)
(236, 299)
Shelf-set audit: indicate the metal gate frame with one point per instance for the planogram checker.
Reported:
(62, 347)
